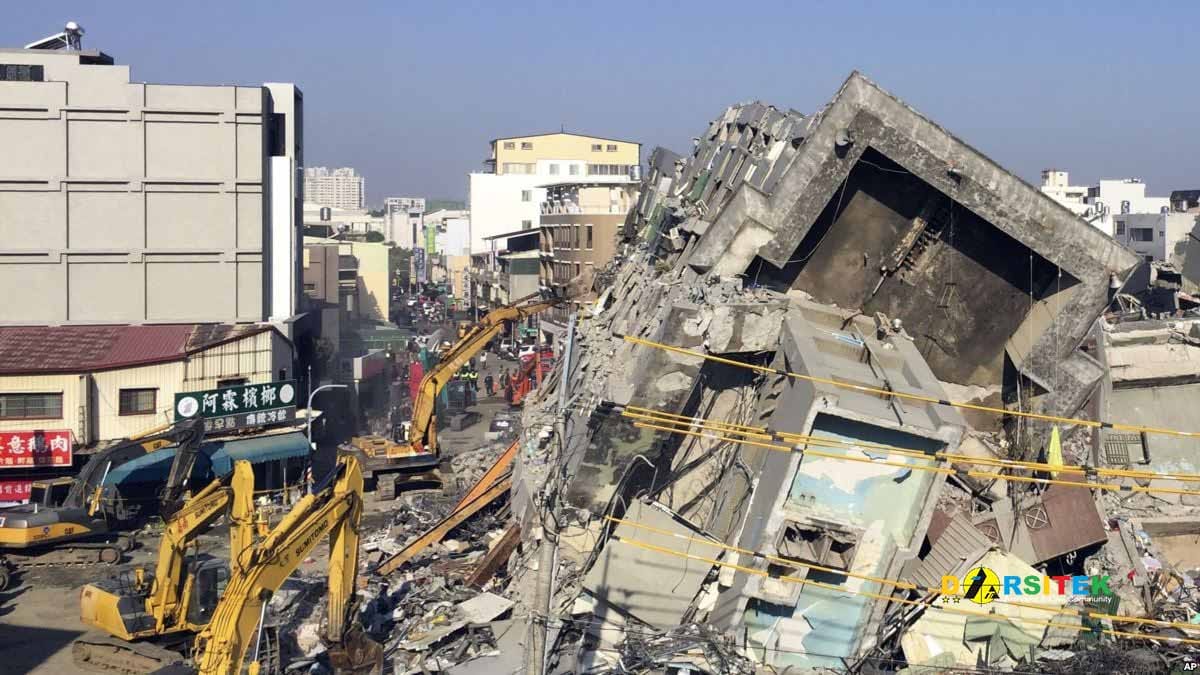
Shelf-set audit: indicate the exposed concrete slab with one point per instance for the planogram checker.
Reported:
(653, 587)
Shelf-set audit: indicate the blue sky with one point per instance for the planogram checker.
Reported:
(410, 93)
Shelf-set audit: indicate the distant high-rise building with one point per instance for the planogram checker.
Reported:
(340, 188)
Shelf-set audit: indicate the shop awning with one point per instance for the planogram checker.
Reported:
(216, 458)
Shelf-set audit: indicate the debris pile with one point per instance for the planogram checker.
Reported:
(839, 363)
(838, 359)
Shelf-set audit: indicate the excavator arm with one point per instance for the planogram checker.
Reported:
(259, 572)
(423, 435)
(195, 517)
(88, 490)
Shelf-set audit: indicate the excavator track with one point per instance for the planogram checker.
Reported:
(100, 652)
(80, 554)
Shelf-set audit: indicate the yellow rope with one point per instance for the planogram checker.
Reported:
(904, 601)
(886, 393)
(918, 467)
(989, 461)
(1182, 625)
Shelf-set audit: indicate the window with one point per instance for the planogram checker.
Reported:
(30, 406)
(231, 382)
(526, 195)
(578, 269)
(574, 169)
(310, 287)
(553, 169)
(20, 72)
(526, 224)
(575, 238)
(526, 145)
(509, 145)
(609, 169)
(1141, 233)
(825, 546)
(612, 147)
(518, 168)
(137, 401)
(1120, 228)
(589, 237)
(595, 147)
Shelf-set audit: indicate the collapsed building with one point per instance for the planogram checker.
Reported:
(837, 359)
(833, 282)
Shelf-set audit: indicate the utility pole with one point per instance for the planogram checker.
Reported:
(544, 590)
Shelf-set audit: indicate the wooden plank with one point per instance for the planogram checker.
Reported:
(492, 475)
(439, 531)
(496, 557)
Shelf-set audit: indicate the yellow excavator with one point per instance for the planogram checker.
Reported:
(142, 623)
(87, 527)
(334, 509)
(384, 460)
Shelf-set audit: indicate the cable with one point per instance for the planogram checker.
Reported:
(887, 393)
(1181, 625)
(920, 467)
(905, 601)
(762, 432)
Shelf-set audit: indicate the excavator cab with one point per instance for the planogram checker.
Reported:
(50, 492)
(210, 576)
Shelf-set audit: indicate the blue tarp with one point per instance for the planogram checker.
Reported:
(216, 459)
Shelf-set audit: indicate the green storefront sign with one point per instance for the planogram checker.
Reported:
(239, 406)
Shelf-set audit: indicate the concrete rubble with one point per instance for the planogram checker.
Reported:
(863, 245)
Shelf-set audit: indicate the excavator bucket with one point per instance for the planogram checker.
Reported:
(357, 654)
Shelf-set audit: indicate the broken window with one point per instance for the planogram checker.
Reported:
(824, 546)
(1141, 233)
(510, 145)
(525, 145)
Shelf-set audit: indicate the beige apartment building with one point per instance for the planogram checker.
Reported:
(564, 154)
(130, 202)
(507, 194)
(579, 223)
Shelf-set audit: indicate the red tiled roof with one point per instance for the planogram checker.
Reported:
(74, 349)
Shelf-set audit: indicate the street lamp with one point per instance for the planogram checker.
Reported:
(309, 416)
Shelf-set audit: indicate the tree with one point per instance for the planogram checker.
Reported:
(375, 237)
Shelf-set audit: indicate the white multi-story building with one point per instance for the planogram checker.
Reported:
(1100, 204)
(1155, 236)
(508, 194)
(453, 230)
(340, 188)
(1057, 185)
(405, 218)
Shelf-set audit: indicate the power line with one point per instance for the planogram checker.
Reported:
(903, 584)
(887, 393)
(763, 432)
(806, 450)
(905, 601)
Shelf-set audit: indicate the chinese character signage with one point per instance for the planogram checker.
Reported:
(237, 407)
(35, 448)
(250, 419)
(15, 490)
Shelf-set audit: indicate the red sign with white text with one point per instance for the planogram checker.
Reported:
(15, 490)
(35, 448)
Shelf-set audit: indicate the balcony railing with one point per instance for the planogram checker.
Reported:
(551, 209)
